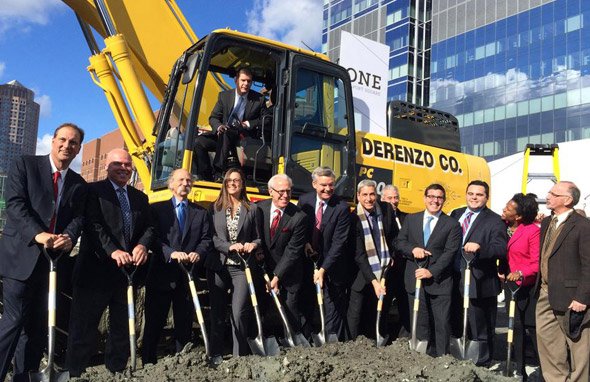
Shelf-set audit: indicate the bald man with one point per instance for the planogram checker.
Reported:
(184, 235)
(118, 233)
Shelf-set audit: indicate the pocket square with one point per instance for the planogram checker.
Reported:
(285, 229)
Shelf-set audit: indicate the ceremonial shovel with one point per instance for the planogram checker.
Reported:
(129, 272)
(419, 346)
(380, 340)
(514, 288)
(196, 303)
(49, 373)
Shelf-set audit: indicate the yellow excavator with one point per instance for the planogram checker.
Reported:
(150, 46)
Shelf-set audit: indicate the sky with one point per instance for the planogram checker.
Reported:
(42, 47)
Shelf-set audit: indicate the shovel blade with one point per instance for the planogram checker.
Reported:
(456, 348)
(381, 340)
(49, 375)
(286, 342)
(419, 346)
(318, 339)
(257, 346)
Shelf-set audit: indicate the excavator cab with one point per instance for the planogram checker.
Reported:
(308, 120)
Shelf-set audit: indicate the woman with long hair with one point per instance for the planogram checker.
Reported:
(523, 265)
(236, 234)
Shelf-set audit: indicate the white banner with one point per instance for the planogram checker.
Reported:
(367, 63)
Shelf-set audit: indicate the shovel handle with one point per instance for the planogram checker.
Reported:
(199, 312)
(380, 301)
(466, 288)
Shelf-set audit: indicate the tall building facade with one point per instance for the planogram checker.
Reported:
(19, 123)
(403, 25)
(512, 71)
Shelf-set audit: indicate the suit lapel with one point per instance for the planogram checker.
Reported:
(516, 235)
(282, 223)
(328, 213)
(568, 225)
(45, 175)
(266, 222)
(419, 227)
(475, 224)
(191, 211)
(242, 218)
(437, 228)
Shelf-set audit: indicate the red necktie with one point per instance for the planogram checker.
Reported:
(56, 177)
(466, 222)
(318, 223)
(275, 223)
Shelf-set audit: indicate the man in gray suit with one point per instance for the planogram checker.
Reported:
(435, 237)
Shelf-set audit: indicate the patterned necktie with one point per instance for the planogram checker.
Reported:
(318, 223)
(238, 111)
(181, 215)
(56, 178)
(466, 222)
(427, 229)
(550, 232)
(275, 223)
(375, 232)
(126, 213)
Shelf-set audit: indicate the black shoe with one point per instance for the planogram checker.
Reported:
(218, 178)
(215, 361)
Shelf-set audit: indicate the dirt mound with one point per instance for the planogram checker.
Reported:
(358, 361)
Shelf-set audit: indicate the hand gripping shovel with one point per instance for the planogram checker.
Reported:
(291, 339)
(419, 346)
(196, 303)
(379, 339)
(49, 373)
(259, 345)
(129, 272)
(320, 338)
(514, 288)
(462, 348)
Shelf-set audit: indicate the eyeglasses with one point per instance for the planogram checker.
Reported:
(236, 181)
(556, 195)
(435, 197)
(282, 192)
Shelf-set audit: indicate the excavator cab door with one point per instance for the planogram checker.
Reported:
(319, 128)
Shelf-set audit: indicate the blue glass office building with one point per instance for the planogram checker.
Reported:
(512, 71)
(404, 25)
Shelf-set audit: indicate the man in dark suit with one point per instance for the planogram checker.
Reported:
(390, 194)
(484, 241)
(237, 111)
(374, 234)
(183, 236)
(328, 225)
(433, 236)
(283, 228)
(117, 234)
(44, 203)
(563, 288)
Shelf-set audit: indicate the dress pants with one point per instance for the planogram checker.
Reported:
(362, 311)
(433, 322)
(87, 308)
(23, 326)
(224, 146)
(230, 277)
(553, 345)
(482, 325)
(157, 306)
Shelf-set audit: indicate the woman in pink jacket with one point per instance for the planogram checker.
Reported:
(523, 265)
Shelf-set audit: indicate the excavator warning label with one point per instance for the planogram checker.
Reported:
(410, 155)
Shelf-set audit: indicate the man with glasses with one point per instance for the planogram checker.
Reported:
(429, 241)
(283, 228)
(484, 242)
(563, 288)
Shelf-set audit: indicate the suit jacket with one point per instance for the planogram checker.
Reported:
(283, 255)
(248, 232)
(165, 273)
(444, 242)
(523, 252)
(103, 234)
(569, 263)
(29, 208)
(334, 232)
(365, 275)
(489, 231)
(225, 104)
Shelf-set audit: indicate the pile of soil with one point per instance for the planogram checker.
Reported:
(350, 361)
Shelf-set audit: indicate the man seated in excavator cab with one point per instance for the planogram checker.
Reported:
(236, 114)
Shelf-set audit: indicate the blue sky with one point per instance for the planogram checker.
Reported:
(42, 47)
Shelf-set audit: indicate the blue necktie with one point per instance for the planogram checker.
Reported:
(181, 215)
(427, 229)
(126, 213)
(238, 111)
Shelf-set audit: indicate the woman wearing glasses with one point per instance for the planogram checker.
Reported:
(523, 265)
(236, 234)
